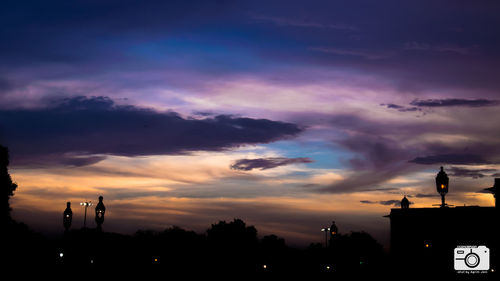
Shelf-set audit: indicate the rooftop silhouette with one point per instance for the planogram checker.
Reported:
(426, 237)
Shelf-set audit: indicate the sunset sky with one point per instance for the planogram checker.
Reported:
(286, 114)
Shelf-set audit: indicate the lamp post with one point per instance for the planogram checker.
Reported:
(99, 213)
(67, 217)
(442, 185)
(86, 204)
(326, 230)
(333, 229)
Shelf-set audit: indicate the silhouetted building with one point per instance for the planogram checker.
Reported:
(424, 239)
(99, 213)
(494, 189)
(67, 216)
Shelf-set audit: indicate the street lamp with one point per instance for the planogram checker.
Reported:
(67, 217)
(99, 213)
(333, 229)
(326, 230)
(86, 204)
(442, 185)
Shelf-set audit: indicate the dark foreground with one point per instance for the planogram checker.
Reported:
(227, 250)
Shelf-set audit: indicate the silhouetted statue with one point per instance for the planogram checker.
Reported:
(99, 213)
(7, 187)
(405, 204)
(67, 217)
(442, 185)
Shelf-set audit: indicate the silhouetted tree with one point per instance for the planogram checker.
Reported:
(274, 253)
(357, 251)
(273, 244)
(6, 185)
(234, 245)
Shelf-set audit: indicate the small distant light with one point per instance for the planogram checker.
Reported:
(264, 266)
(327, 267)
(91, 261)
(427, 245)
(61, 255)
(492, 270)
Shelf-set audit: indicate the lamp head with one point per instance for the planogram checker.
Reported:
(442, 182)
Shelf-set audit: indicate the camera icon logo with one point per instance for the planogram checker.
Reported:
(472, 258)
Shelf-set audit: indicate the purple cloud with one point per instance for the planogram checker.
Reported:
(473, 173)
(267, 163)
(454, 102)
(302, 23)
(76, 128)
(458, 159)
(401, 108)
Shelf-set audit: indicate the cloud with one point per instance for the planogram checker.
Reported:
(396, 203)
(424, 195)
(5, 85)
(401, 108)
(75, 128)
(458, 159)
(267, 163)
(454, 102)
(473, 173)
(376, 160)
(302, 23)
(451, 48)
(366, 54)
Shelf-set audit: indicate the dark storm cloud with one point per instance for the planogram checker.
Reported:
(79, 127)
(454, 102)
(266, 163)
(458, 159)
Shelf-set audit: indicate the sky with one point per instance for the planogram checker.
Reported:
(286, 114)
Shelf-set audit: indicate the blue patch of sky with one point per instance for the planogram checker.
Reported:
(181, 52)
(324, 154)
